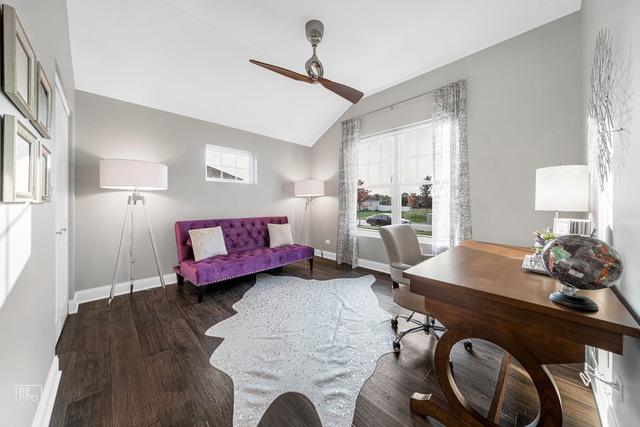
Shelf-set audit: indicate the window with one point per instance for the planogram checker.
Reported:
(395, 171)
(230, 165)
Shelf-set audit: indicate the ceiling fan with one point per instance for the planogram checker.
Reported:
(314, 68)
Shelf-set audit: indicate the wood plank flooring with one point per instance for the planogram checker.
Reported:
(147, 363)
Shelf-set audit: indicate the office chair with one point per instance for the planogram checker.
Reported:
(404, 252)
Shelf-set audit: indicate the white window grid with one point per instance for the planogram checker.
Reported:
(224, 164)
(395, 183)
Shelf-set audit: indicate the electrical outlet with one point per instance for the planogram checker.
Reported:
(327, 242)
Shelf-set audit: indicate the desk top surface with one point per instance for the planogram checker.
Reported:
(494, 271)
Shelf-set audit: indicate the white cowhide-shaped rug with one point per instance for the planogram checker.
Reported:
(318, 338)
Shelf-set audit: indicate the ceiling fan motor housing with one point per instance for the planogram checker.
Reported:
(314, 30)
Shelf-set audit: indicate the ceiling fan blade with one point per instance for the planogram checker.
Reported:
(283, 71)
(348, 93)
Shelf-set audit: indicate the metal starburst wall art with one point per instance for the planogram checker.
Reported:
(600, 107)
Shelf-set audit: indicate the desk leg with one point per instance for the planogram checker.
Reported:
(457, 411)
(500, 390)
(429, 405)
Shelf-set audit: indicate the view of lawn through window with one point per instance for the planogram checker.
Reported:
(395, 172)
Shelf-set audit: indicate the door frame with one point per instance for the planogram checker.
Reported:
(58, 85)
(59, 92)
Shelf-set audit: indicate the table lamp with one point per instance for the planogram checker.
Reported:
(134, 176)
(564, 188)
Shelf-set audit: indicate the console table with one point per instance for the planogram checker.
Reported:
(478, 290)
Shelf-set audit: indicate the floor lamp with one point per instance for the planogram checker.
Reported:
(134, 176)
(309, 189)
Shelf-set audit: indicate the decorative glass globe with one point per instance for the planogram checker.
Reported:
(580, 262)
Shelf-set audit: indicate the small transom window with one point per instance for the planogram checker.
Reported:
(225, 164)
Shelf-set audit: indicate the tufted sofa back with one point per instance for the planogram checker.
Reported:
(240, 234)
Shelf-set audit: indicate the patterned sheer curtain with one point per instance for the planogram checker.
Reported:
(451, 199)
(347, 240)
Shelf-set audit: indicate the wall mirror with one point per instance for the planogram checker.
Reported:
(19, 63)
(44, 104)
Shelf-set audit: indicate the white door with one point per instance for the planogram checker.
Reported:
(61, 201)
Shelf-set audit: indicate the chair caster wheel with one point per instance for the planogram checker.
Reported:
(394, 323)
(468, 345)
(396, 347)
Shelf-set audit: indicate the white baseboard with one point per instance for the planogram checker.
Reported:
(374, 265)
(102, 292)
(364, 263)
(602, 392)
(48, 397)
(72, 305)
(603, 404)
(325, 254)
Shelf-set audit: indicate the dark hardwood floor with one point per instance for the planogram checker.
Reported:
(147, 363)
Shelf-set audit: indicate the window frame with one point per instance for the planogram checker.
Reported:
(396, 194)
(252, 170)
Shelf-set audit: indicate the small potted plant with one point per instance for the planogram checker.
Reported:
(541, 239)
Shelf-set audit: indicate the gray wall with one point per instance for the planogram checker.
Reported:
(622, 17)
(27, 238)
(524, 112)
(108, 128)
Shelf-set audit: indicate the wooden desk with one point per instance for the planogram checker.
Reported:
(478, 290)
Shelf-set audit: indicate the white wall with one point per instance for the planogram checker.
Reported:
(108, 128)
(27, 238)
(623, 18)
(524, 112)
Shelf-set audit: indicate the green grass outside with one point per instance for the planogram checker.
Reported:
(414, 215)
(417, 215)
(366, 214)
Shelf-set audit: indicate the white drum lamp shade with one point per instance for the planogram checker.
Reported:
(308, 188)
(562, 188)
(123, 174)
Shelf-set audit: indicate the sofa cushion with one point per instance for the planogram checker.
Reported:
(279, 235)
(207, 242)
(240, 263)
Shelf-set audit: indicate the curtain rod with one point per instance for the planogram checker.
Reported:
(392, 106)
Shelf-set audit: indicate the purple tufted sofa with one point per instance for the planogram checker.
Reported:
(248, 251)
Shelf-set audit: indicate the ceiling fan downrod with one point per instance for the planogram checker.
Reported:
(314, 30)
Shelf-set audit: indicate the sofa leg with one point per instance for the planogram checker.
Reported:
(311, 265)
(200, 292)
(179, 279)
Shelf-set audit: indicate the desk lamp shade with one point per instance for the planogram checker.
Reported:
(562, 188)
(122, 174)
(309, 188)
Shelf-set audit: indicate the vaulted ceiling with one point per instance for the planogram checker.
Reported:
(191, 57)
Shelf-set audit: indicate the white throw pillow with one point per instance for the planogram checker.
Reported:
(207, 242)
(279, 235)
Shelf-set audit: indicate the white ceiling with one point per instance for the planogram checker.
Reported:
(190, 57)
